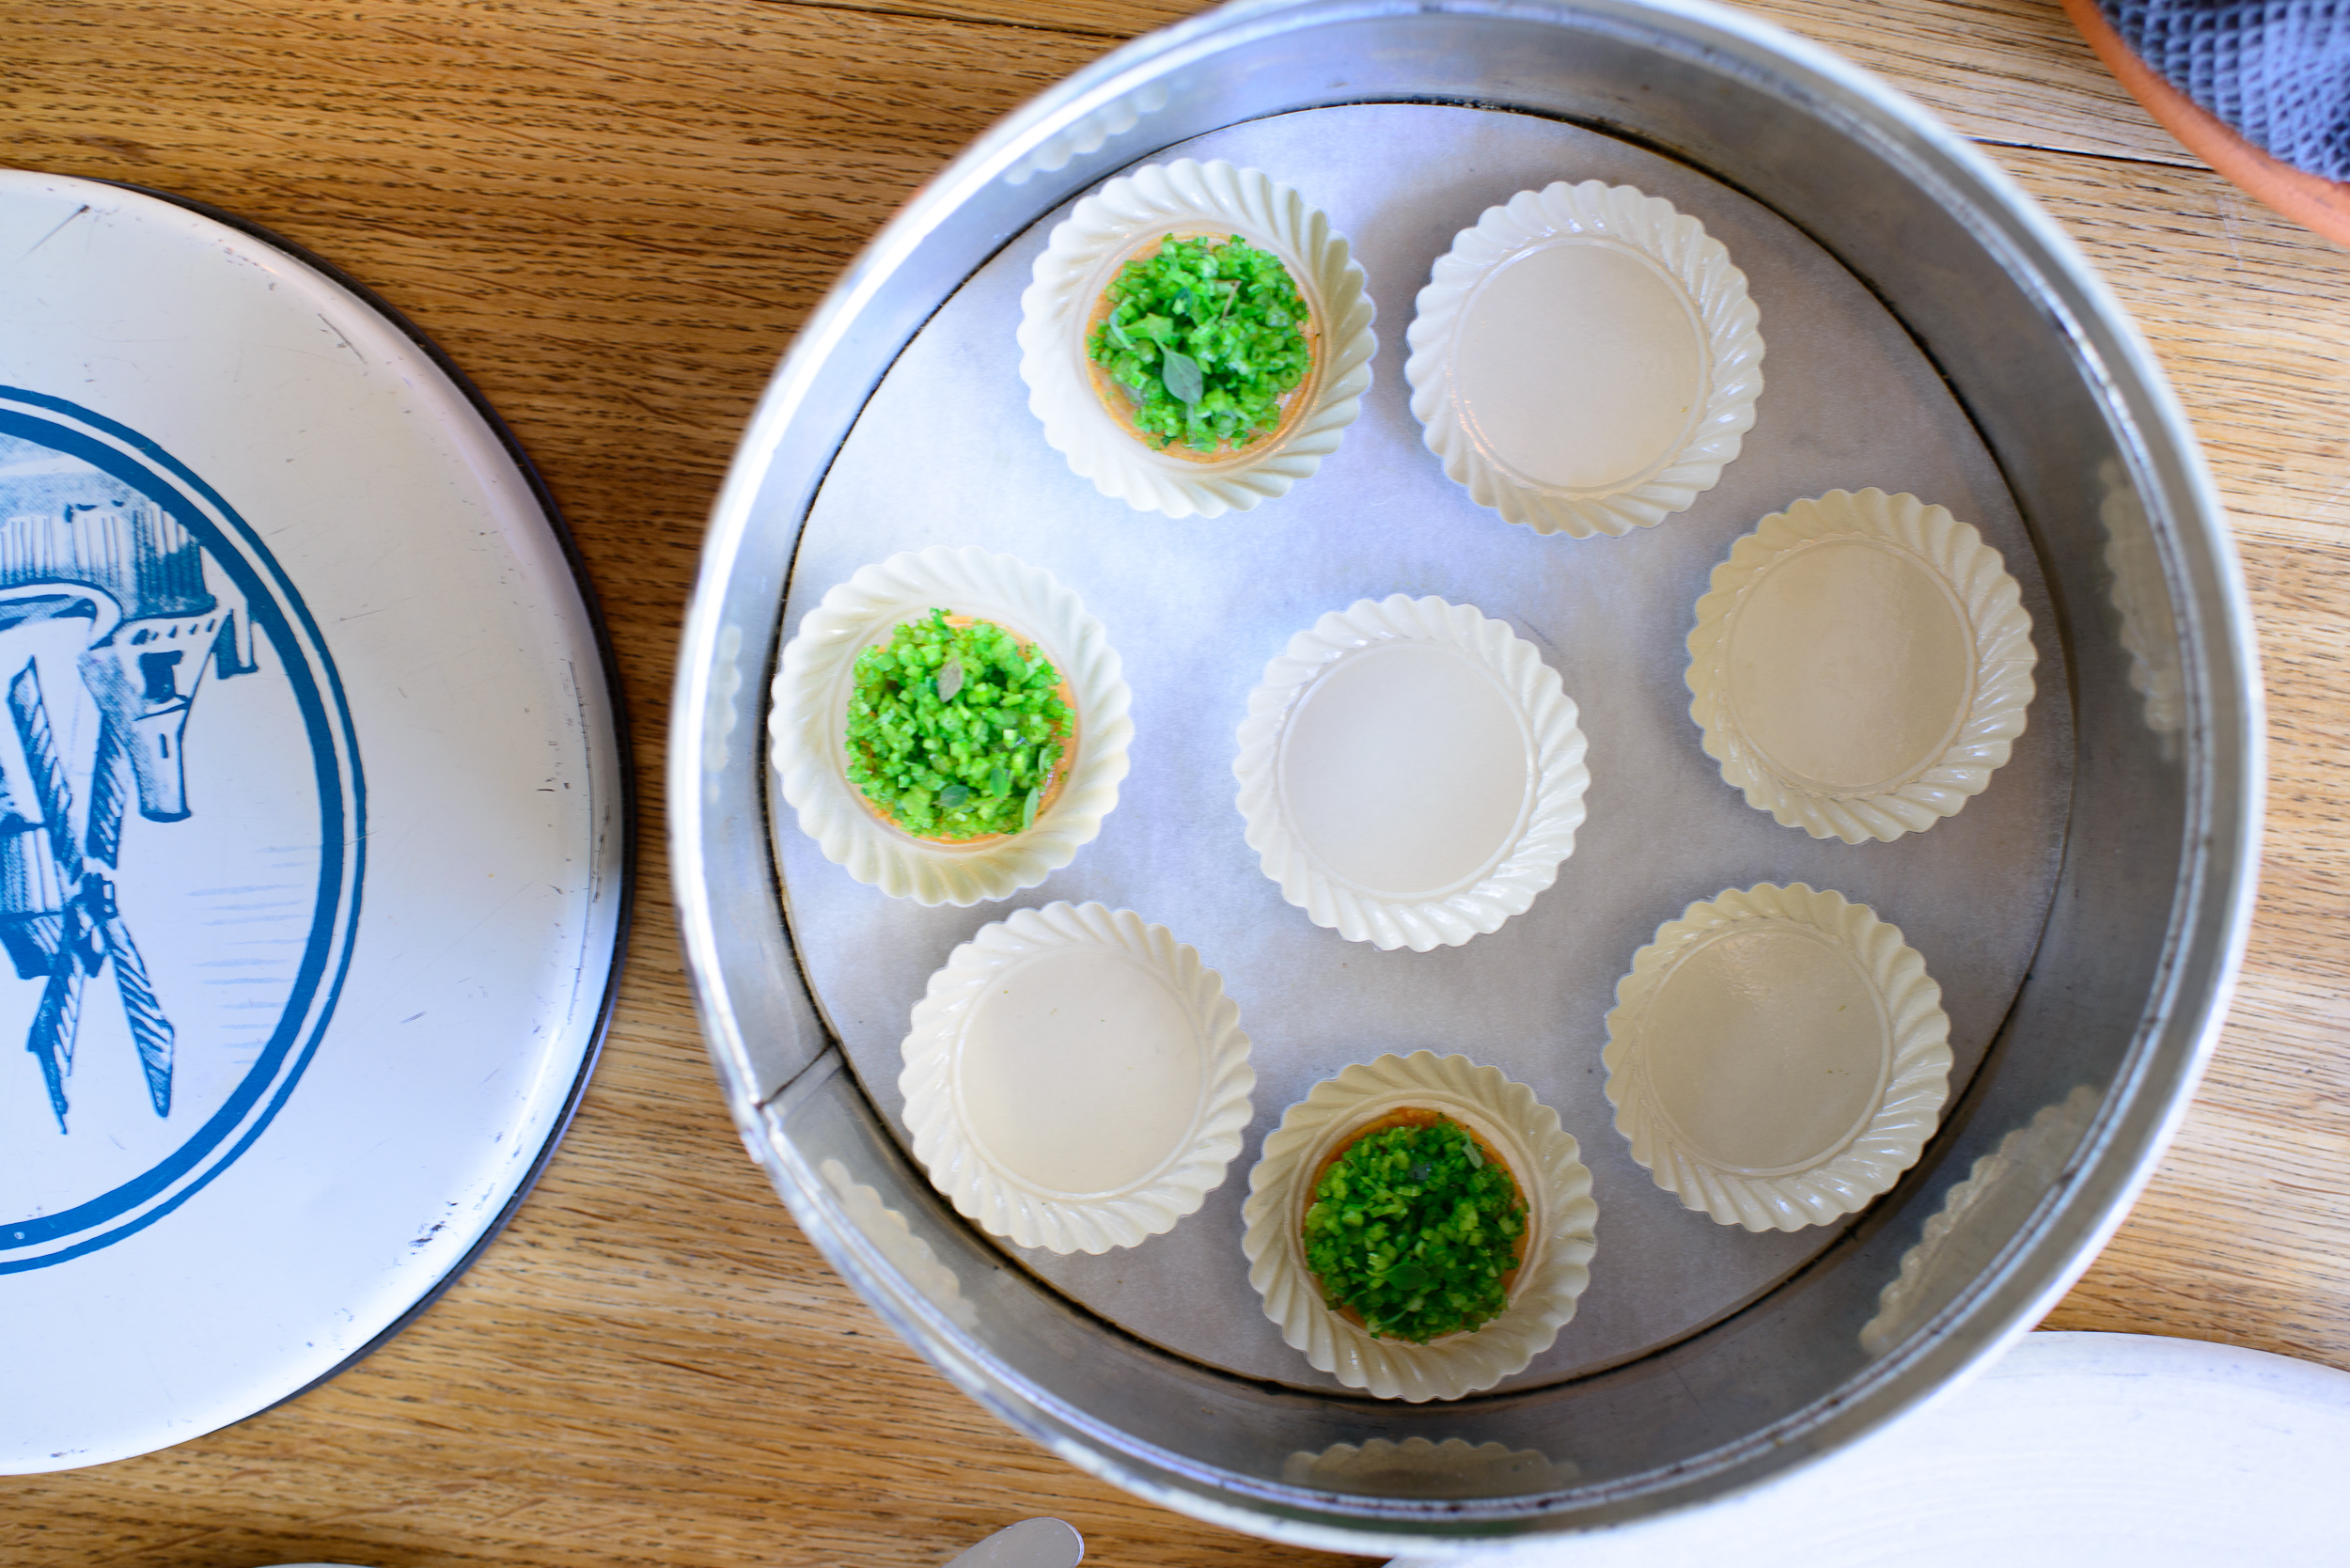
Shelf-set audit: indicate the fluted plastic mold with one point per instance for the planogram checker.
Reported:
(1714, 291)
(1084, 254)
(1528, 865)
(1999, 679)
(806, 723)
(999, 1200)
(1844, 1180)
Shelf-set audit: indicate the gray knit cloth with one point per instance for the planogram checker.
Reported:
(2275, 71)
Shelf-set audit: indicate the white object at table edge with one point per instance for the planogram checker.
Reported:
(2071, 1449)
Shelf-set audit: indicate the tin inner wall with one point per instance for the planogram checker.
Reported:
(945, 452)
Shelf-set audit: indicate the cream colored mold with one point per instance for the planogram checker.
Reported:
(1860, 665)
(1585, 359)
(1075, 1079)
(1411, 773)
(1132, 213)
(1544, 1161)
(1778, 1057)
(808, 721)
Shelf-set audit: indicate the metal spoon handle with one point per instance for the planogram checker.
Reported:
(1030, 1544)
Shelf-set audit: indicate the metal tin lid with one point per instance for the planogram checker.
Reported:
(313, 849)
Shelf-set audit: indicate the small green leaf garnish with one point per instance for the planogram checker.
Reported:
(1181, 374)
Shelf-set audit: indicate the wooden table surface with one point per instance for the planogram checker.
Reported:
(613, 213)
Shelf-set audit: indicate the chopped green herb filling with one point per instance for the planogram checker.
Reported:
(1205, 337)
(1415, 1229)
(953, 730)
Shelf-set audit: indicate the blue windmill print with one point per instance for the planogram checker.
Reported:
(126, 583)
(175, 924)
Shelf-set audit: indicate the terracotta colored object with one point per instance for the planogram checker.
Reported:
(2321, 205)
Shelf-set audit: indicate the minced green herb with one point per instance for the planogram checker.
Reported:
(1205, 336)
(953, 730)
(1415, 1229)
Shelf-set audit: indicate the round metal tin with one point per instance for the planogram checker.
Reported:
(313, 844)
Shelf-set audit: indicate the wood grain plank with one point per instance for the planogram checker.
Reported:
(1112, 23)
(2008, 73)
(2004, 72)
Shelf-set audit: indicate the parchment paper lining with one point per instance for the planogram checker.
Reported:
(946, 453)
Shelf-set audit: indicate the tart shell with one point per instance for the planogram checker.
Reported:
(807, 721)
(1504, 1117)
(1135, 212)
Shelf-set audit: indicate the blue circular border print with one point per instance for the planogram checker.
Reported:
(181, 833)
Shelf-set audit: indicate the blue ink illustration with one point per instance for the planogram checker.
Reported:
(179, 893)
(136, 580)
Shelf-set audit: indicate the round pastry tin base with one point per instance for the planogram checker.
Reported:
(1197, 609)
